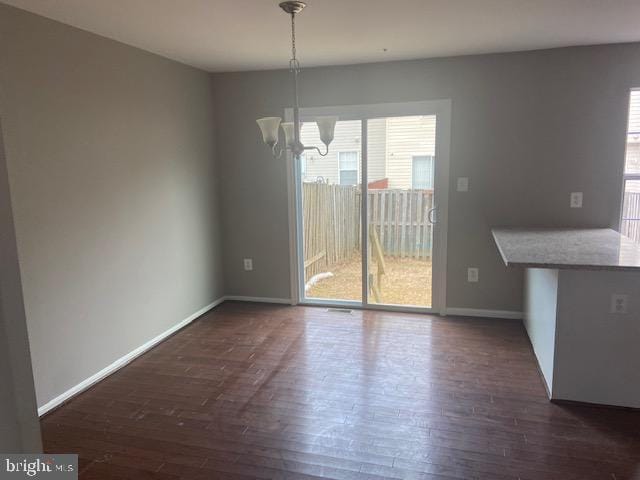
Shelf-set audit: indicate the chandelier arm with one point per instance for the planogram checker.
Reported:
(319, 151)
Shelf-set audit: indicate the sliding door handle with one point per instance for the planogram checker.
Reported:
(432, 215)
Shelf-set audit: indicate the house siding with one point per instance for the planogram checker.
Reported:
(377, 149)
(347, 138)
(406, 137)
(392, 144)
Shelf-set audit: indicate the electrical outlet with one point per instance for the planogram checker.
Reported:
(619, 303)
(472, 274)
(575, 200)
(248, 264)
(463, 184)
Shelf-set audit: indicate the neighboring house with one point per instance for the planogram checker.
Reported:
(400, 154)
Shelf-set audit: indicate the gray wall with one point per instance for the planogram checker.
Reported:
(111, 161)
(19, 426)
(527, 129)
(596, 352)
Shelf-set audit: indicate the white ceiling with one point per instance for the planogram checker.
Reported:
(232, 35)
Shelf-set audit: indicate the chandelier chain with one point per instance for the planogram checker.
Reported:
(293, 63)
(270, 126)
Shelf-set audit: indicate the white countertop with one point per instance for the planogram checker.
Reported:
(576, 248)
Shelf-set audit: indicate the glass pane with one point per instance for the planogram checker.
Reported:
(348, 177)
(422, 175)
(631, 210)
(632, 161)
(348, 160)
(331, 205)
(399, 233)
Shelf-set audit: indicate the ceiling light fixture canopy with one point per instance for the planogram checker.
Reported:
(270, 126)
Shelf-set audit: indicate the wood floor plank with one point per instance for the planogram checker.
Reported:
(259, 391)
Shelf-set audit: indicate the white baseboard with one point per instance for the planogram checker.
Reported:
(121, 362)
(477, 312)
(240, 298)
(463, 312)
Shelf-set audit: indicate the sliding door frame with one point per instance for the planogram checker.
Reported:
(442, 110)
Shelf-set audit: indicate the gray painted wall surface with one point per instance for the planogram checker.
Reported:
(527, 129)
(111, 165)
(19, 425)
(597, 355)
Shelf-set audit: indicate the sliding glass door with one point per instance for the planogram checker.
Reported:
(371, 215)
(331, 202)
(400, 206)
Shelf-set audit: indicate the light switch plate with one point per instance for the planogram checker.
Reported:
(473, 274)
(248, 264)
(576, 200)
(463, 184)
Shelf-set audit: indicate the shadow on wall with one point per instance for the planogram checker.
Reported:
(19, 425)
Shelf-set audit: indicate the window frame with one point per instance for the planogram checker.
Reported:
(340, 170)
(626, 176)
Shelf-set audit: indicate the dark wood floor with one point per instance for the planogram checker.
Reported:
(255, 391)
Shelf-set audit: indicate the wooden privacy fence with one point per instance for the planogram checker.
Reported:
(331, 216)
(400, 218)
(331, 225)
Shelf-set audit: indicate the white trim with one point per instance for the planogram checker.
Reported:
(324, 302)
(625, 176)
(441, 202)
(122, 361)
(374, 110)
(364, 207)
(460, 312)
(478, 312)
(355, 305)
(240, 298)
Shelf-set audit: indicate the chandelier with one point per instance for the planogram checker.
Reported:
(269, 126)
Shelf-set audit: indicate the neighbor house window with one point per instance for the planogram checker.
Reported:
(630, 224)
(422, 172)
(348, 163)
